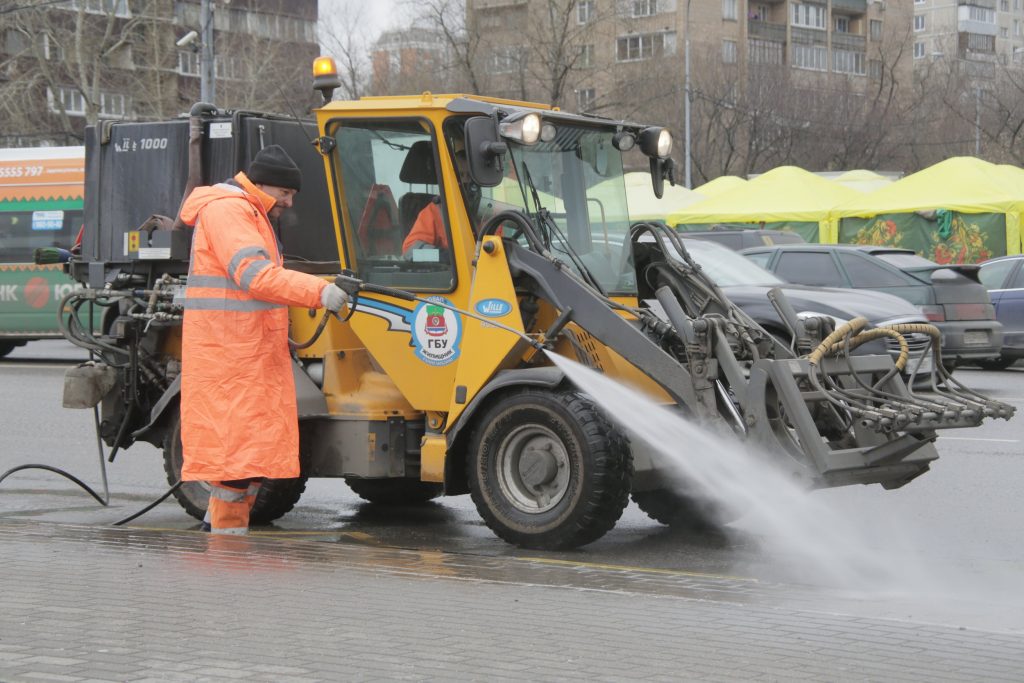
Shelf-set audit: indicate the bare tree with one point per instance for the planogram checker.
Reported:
(1004, 106)
(464, 44)
(344, 38)
(263, 75)
(86, 63)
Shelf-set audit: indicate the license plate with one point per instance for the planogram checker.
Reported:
(924, 365)
(975, 338)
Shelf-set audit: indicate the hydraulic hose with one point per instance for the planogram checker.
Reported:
(103, 500)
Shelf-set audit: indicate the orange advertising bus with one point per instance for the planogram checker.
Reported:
(41, 195)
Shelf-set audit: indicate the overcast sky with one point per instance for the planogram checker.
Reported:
(378, 14)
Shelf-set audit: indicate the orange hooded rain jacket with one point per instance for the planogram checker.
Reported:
(238, 411)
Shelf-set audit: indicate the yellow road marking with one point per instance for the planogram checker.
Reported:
(360, 536)
(627, 568)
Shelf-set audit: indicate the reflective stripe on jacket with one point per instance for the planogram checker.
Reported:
(238, 412)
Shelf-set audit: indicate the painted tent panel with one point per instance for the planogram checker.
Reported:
(968, 237)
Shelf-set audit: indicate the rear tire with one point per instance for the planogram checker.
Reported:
(276, 498)
(682, 512)
(394, 491)
(547, 471)
(6, 348)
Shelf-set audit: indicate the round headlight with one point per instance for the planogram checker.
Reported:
(624, 141)
(655, 142)
(531, 129)
(664, 143)
(548, 132)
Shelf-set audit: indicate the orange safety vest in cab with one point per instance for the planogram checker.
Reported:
(238, 413)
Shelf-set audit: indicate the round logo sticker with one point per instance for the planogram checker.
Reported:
(436, 332)
(37, 292)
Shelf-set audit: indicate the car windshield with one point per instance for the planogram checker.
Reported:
(577, 178)
(728, 268)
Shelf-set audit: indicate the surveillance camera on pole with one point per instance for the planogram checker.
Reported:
(187, 39)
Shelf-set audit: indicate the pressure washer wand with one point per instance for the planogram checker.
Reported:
(353, 286)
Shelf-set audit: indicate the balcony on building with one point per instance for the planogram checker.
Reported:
(977, 17)
(809, 36)
(849, 41)
(976, 46)
(496, 4)
(852, 8)
(764, 30)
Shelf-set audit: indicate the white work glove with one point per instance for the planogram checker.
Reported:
(333, 298)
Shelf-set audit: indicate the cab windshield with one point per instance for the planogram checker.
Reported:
(574, 189)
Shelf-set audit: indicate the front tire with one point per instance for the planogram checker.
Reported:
(547, 471)
(276, 498)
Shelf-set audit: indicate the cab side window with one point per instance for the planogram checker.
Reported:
(396, 230)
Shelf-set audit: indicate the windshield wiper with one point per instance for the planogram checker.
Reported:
(550, 227)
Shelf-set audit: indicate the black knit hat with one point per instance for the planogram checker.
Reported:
(273, 166)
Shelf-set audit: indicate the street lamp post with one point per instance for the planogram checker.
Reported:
(686, 103)
(207, 75)
(977, 120)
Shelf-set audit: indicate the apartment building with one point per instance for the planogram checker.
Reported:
(614, 42)
(65, 65)
(410, 60)
(979, 36)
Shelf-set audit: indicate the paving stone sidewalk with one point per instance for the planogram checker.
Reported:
(101, 604)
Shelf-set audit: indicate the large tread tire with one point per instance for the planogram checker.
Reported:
(591, 461)
(684, 512)
(277, 497)
(395, 492)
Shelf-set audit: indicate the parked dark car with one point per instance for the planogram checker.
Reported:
(1003, 277)
(747, 285)
(737, 239)
(949, 296)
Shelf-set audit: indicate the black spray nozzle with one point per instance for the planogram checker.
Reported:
(353, 285)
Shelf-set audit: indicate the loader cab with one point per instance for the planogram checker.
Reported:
(389, 177)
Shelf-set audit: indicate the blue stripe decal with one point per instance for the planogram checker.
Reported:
(398, 319)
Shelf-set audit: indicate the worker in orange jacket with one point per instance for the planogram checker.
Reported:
(239, 421)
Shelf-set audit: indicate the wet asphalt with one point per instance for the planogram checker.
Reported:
(949, 541)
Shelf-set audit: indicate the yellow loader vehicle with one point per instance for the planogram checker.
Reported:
(476, 236)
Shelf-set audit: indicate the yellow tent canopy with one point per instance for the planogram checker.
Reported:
(960, 184)
(784, 195)
(721, 184)
(862, 181)
(643, 205)
(964, 185)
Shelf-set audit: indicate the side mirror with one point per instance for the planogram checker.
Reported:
(660, 170)
(485, 151)
(657, 177)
